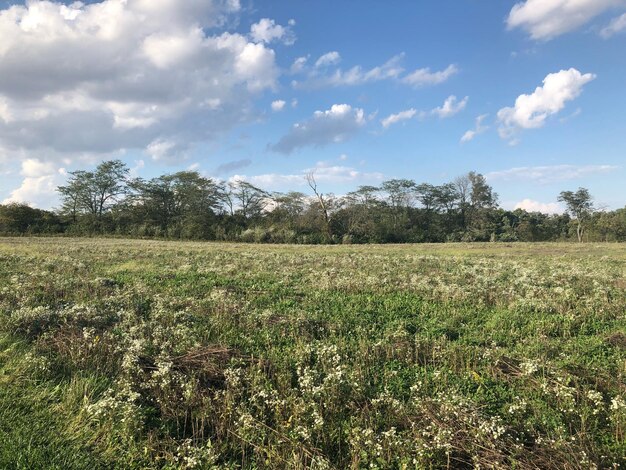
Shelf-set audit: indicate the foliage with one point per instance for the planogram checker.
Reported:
(580, 206)
(21, 219)
(95, 192)
(189, 206)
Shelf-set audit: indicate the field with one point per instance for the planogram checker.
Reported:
(141, 354)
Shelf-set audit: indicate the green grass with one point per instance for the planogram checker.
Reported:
(143, 354)
(33, 426)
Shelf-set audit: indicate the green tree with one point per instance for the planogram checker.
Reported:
(180, 201)
(249, 200)
(95, 192)
(482, 195)
(20, 219)
(476, 201)
(400, 196)
(579, 205)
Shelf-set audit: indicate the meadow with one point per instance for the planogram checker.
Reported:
(145, 354)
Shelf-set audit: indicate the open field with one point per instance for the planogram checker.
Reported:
(143, 354)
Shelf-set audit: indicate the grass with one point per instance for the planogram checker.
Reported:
(144, 354)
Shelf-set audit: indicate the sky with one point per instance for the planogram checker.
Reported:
(530, 93)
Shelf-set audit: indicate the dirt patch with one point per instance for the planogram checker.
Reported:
(617, 340)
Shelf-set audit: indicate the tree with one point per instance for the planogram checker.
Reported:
(324, 203)
(251, 200)
(462, 189)
(291, 205)
(427, 196)
(95, 192)
(446, 196)
(176, 199)
(579, 205)
(400, 196)
(18, 218)
(72, 195)
(482, 195)
(365, 195)
(400, 192)
(475, 199)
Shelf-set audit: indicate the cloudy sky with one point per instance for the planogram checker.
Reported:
(530, 93)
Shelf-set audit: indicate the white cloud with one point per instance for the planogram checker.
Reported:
(546, 19)
(337, 124)
(424, 77)
(531, 111)
(39, 185)
(468, 136)
(321, 74)
(535, 206)
(278, 105)
(617, 25)
(168, 50)
(324, 173)
(450, 107)
(550, 174)
(299, 65)
(353, 76)
(478, 129)
(140, 72)
(139, 165)
(165, 150)
(395, 118)
(330, 58)
(33, 168)
(267, 31)
(5, 114)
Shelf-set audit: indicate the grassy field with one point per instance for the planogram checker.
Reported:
(142, 354)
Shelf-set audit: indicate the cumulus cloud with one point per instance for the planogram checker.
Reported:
(617, 25)
(278, 105)
(39, 185)
(337, 124)
(424, 77)
(450, 107)
(550, 174)
(535, 206)
(478, 129)
(33, 168)
(324, 173)
(531, 111)
(395, 118)
(546, 19)
(144, 74)
(267, 31)
(330, 58)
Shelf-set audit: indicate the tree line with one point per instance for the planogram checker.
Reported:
(187, 205)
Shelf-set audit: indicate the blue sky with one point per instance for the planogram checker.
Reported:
(359, 92)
